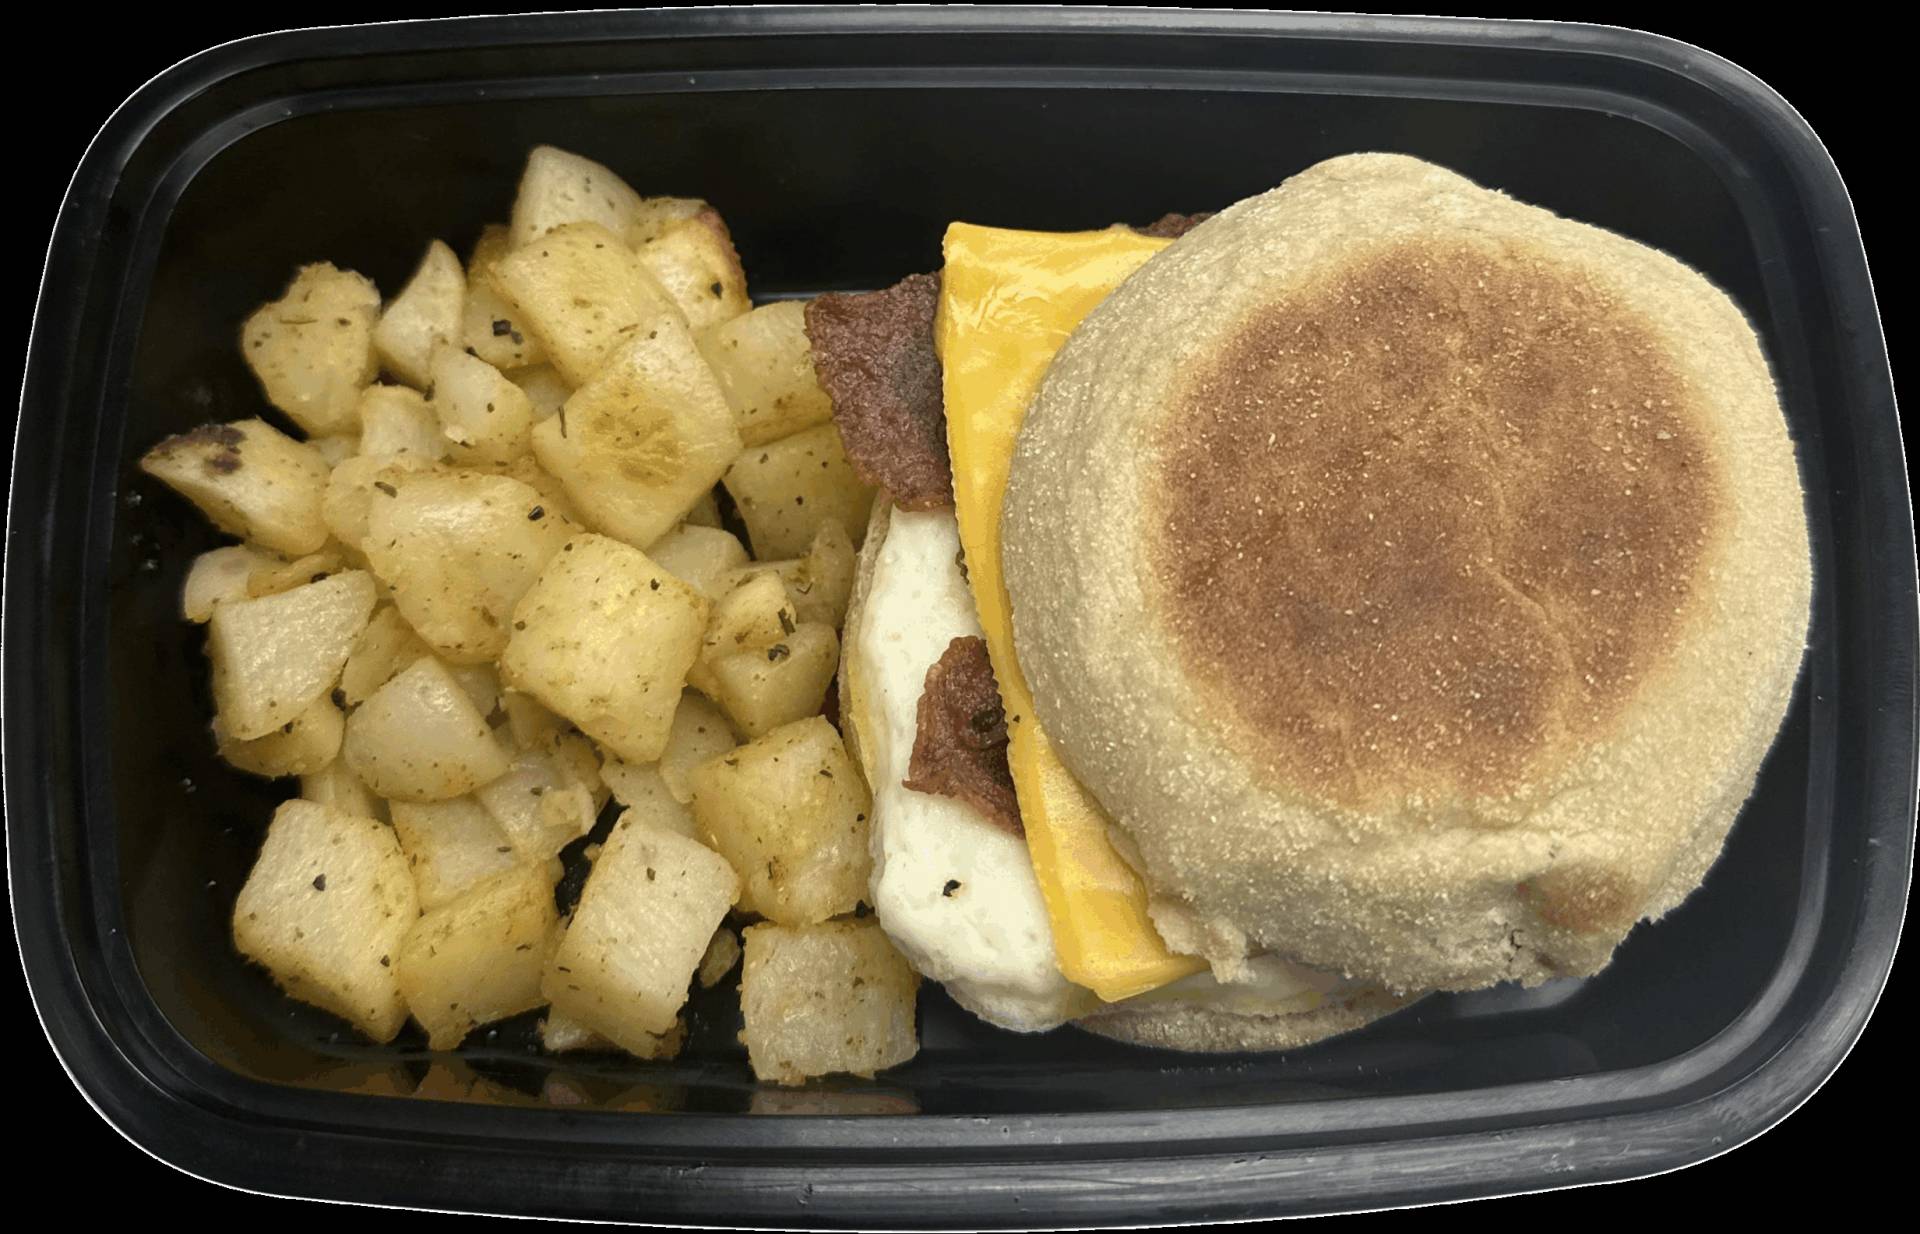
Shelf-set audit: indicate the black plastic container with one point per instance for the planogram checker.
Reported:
(838, 144)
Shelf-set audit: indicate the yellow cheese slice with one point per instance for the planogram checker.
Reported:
(1008, 300)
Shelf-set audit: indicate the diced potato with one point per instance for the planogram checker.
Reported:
(478, 958)
(397, 420)
(638, 444)
(459, 550)
(251, 479)
(219, 575)
(451, 846)
(487, 326)
(580, 759)
(532, 725)
(764, 689)
(723, 952)
(647, 801)
(824, 999)
(765, 367)
(276, 576)
(337, 788)
(325, 910)
(560, 1035)
(789, 811)
(705, 511)
(753, 616)
(605, 638)
(302, 745)
(357, 484)
(419, 738)
(312, 349)
(700, 732)
(273, 656)
(540, 805)
(651, 904)
(427, 313)
(558, 188)
(545, 389)
(527, 470)
(819, 584)
(695, 262)
(335, 448)
(701, 557)
(485, 416)
(387, 645)
(657, 215)
(581, 292)
(787, 488)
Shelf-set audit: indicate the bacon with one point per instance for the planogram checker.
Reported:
(960, 743)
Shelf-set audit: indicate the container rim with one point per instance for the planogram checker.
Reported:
(1238, 1167)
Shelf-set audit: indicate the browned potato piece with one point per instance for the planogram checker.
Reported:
(357, 484)
(825, 998)
(645, 916)
(486, 417)
(582, 292)
(451, 846)
(337, 788)
(700, 732)
(302, 745)
(275, 655)
(723, 952)
(695, 262)
(426, 314)
(312, 349)
(558, 188)
(761, 690)
(223, 574)
(765, 366)
(325, 909)
(819, 584)
(459, 551)
(397, 420)
(478, 958)
(701, 557)
(787, 488)
(605, 638)
(646, 800)
(789, 811)
(419, 738)
(487, 327)
(250, 479)
(540, 804)
(386, 646)
(545, 389)
(644, 439)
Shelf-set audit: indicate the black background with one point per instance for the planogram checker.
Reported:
(1842, 1156)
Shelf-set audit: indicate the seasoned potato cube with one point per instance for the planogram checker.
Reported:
(335, 448)
(605, 638)
(219, 575)
(789, 811)
(787, 488)
(487, 327)
(419, 738)
(540, 805)
(545, 389)
(765, 367)
(560, 1035)
(558, 188)
(358, 483)
(824, 999)
(819, 584)
(695, 262)
(426, 313)
(700, 732)
(397, 420)
(657, 215)
(387, 645)
(275, 655)
(337, 788)
(451, 846)
(459, 551)
(753, 616)
(530, 723)
(645, 915)
(485, 416)
(277, 575)
(251, 479)
(478, 958)
(646, 800)
(723, 952)
(312, 349)
(638, 444)
(705, 512)
(761, 690)
(302, 745)
(699, 556)
(325, 909)
(582, 291)
(527, 470)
